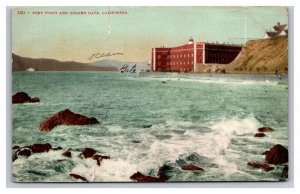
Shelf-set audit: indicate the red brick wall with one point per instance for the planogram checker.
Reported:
(181, 58)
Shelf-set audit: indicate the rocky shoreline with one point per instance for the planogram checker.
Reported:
(274, 157)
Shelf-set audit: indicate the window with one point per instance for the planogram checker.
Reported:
(158, 63)
(192, 62)
(184, 56)
(188, 55)
(192, 55)
(159, 56)
(180, 55)
(188, 62)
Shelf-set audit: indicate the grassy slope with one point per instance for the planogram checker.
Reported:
(265, 56)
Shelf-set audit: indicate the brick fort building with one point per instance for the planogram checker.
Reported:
(186, 58)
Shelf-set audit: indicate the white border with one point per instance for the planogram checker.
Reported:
(6, 98)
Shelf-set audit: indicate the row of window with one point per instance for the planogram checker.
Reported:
(177, 56)
(220, 55)
(178, 63)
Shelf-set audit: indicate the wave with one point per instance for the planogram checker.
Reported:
(208, 80)
(143, 150)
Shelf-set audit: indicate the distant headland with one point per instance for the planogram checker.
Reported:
(20, 63)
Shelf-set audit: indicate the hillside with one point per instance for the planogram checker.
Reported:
(22, 63)
(262, 56)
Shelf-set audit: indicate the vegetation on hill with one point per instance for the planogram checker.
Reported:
(262, 56)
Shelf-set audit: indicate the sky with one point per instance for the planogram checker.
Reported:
(70, 37)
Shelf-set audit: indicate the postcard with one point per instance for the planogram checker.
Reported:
(149, 94)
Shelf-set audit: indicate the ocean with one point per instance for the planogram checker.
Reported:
(149, 120)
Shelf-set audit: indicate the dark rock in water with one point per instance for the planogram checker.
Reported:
(67, 154)
(264, 167)
(34, 148)
(277, 155)
(76, 176)
(285, 172)
(35, 99)
(162, 172)
(88, 152)
(40, 148)
(22, 97)
(58, 148)
(99, 158)
(162, 177)
(14, 157)
(265, 129)
(139, 177)
(66, 117)
(147, 126)
(192, 168)
(136, 141)
(16, 147)
(164, 82)
(259, 135)
(264, 153)
(105, 157)
(24, 152)
(62, 160)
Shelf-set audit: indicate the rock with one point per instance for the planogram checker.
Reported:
(66, 117)
(162, 172)
(285, 172)
(88, 152)
(61, 160)
(259, 135)
(40, 148)
(105, 157)
(146, 126)
(14, 157)
(277, 155)
(16, 147)
(99, 158)
(67, 154)
(22, 97)
(264, 153)
(76, 176)
(58, 148)
(24, 152)
(35, 99)
(34, 148)
(162, 177)
(265, 129)
(192, 168)
(139, 177)
(264, 167)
